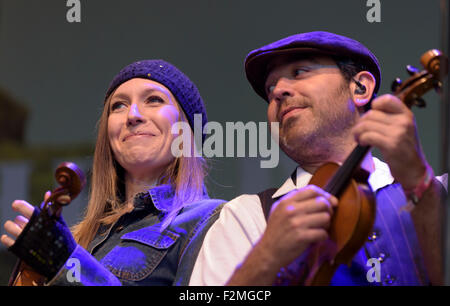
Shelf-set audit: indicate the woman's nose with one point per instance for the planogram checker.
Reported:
(134, 116)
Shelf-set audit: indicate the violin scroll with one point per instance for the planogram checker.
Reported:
(71, 180)
(69, 176)
(433, 60)
(412, 90)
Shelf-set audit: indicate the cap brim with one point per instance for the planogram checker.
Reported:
(256, 66)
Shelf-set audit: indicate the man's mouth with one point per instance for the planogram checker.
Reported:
(290, 111)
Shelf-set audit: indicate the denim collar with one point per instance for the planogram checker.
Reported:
(159, 197)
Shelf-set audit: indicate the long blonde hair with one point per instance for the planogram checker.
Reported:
(185, 174)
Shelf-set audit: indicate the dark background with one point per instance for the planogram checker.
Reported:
(56, 73)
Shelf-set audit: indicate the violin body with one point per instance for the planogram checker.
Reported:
(350, 226)
(23, 275)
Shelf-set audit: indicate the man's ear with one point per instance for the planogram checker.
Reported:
(362, 93)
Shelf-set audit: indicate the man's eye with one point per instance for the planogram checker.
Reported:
(270, 88)
(300, 71)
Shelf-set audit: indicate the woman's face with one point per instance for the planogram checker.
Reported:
(141, 114)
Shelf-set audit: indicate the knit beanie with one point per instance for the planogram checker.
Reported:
(168, 75)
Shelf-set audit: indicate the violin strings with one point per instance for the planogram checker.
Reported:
(344, 173)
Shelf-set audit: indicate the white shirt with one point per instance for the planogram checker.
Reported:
(241, 224)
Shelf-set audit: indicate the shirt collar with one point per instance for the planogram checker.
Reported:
(159, 197)
(380, 176)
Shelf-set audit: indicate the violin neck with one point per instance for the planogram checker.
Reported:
(340, 179)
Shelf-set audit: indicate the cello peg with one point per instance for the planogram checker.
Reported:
(412, 70)
(396, 84)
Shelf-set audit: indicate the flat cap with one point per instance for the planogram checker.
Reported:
(319, 42)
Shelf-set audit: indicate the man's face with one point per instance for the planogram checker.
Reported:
(311, 101)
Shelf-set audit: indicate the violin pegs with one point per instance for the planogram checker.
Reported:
(437, 85)
(419, 102)
(412, 70)
(396, 84)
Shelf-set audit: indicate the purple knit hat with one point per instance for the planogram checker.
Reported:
(318, 42)
(168, 75)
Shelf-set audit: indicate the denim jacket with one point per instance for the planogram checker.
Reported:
(134, 251)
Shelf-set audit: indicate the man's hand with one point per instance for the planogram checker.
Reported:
(390, 127)
(297, 220)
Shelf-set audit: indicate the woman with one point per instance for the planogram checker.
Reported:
(148, 211)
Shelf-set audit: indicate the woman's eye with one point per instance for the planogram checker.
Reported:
(117, 106)
(157, 99)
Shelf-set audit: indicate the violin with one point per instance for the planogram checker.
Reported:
(354, 215)
(72, 181)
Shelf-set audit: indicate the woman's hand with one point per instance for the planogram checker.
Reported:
(14, 228)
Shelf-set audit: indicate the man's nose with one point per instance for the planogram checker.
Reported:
(282, 90)
(134, 115)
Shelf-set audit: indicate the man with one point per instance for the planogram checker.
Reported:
(318, 85)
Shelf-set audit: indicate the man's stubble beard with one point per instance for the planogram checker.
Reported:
(327, 135)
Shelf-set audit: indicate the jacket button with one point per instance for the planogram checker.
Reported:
(374, 236)
(382, 257)
(389, 280)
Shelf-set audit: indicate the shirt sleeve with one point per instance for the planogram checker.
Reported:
(444, 180)
(239, 226)
(82, 269)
